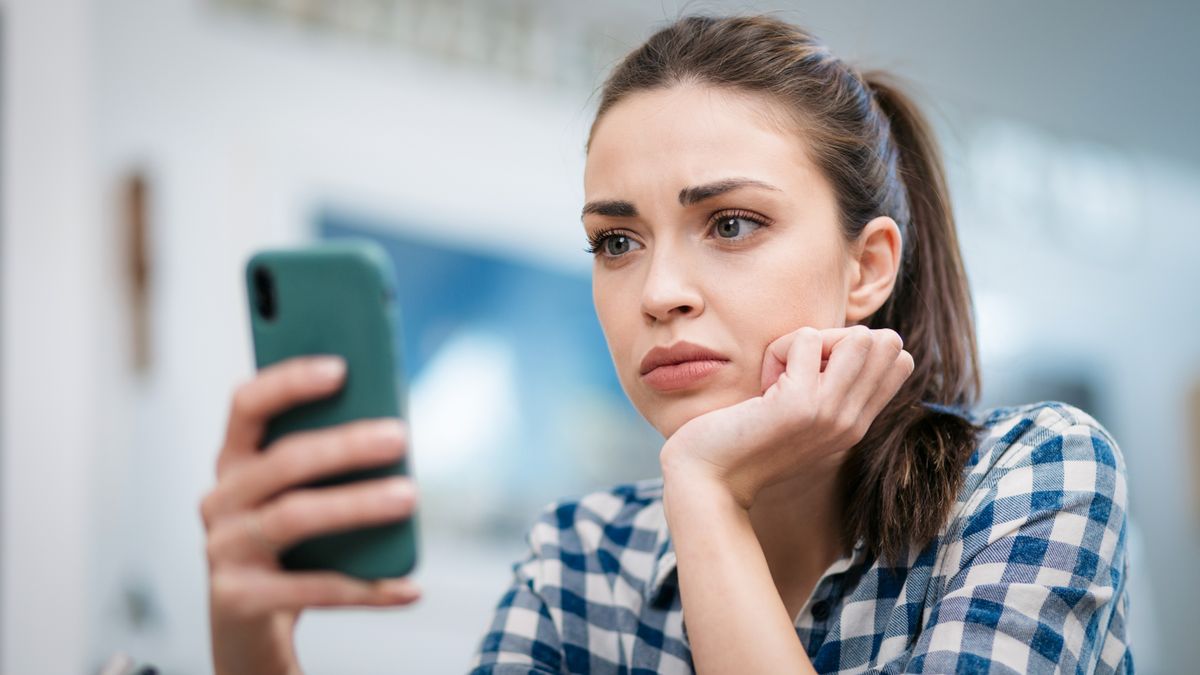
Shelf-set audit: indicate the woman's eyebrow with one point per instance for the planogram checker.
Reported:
(691, 195)
(620, 208)
(615, 208)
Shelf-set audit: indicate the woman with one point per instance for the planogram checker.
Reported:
(778, 279)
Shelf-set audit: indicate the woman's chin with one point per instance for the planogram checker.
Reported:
(668, 416)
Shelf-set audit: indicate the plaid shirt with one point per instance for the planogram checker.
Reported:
(1027, 574)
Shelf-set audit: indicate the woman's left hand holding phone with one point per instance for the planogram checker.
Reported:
(259, 507)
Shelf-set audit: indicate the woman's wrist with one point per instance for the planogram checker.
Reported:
(737, 621)
(685, 477)
(261, 645)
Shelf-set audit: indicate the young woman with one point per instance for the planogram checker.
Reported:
(778, 278)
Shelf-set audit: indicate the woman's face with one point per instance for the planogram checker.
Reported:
(723, 234)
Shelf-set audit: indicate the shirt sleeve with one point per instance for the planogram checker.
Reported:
(522, 638)
(1040, 582)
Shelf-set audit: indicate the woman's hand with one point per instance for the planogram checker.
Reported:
(809, 414)
(257, 509)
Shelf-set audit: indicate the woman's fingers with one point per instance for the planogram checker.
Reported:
(304, 513)
(900, 369)
(256, 591)
(274, 389)
(847, 358)
(854, 371)
(789, 353)
(301, 514)
(780, 357)
(302, 457)
(886, 344)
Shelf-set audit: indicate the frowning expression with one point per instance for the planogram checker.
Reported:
(711, 226)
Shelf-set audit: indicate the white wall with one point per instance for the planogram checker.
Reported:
(52, 283)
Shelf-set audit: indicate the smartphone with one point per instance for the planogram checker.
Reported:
(337, 298)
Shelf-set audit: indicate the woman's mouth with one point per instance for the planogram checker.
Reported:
(681, 375)
(679, 366)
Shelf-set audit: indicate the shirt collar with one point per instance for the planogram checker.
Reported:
(662, 570)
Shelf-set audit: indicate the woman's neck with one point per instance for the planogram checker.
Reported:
(798, 523)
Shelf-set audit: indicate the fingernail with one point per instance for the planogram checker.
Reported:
(390, 430)
(328, 367)
(400, 488)
(400, 589)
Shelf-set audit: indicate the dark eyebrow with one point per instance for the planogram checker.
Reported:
(615, 208)
(619, 208)
(691, 195)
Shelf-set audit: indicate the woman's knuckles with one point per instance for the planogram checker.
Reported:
(290, 517)
(210, 508)
(222, 545)
(860, 335)
(244, 400)
(891, 339)
(859, 341)
(861, 427)
(227, 593)
(846, 422)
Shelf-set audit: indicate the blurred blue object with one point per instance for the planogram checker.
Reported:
(514, 397)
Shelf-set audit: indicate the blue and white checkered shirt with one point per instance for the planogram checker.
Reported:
(1027, 574)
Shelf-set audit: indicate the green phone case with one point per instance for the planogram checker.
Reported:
(337, 298)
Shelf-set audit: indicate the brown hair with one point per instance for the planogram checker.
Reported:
(879, 154)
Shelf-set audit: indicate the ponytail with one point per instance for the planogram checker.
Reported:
(902, 495)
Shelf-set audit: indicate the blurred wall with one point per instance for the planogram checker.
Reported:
(52, 289)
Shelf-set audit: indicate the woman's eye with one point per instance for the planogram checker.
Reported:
(735, 227)
(612, 245)
(616, 244)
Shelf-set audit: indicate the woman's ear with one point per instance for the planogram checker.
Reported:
(874, 264)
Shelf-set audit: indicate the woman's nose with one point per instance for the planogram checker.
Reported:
(669, 289)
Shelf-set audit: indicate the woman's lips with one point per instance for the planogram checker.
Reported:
(681, 375)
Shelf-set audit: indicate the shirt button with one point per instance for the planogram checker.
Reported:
(820, 610)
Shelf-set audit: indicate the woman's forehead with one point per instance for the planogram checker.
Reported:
(690, 135)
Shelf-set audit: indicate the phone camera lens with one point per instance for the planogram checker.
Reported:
(264, 293)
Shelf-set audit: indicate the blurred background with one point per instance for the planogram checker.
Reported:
(149, 146)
